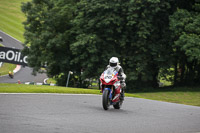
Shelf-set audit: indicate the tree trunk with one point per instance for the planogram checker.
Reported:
(155, 81)
(175, 74)
(182, 73)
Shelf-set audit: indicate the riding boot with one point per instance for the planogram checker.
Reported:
(122, 94)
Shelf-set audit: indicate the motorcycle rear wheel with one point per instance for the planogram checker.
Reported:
(106, 100)
(118, 105)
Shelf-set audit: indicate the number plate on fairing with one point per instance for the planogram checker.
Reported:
(108, 77)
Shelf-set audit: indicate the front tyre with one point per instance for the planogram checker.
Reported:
(106, 100)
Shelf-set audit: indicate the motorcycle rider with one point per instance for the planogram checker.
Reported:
(114, 63)
(10, 74)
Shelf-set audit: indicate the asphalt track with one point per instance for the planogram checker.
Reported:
(62, 113)
(25, 74)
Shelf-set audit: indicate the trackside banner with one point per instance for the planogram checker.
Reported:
(11, 55)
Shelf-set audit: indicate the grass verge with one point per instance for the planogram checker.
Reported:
(51, 80)
(6, 67)
(188, 98)
(178, 95)
(181, 95)
(11, 18)
(22, 88)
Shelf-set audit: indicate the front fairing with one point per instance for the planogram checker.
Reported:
(109, 81)
(109, 76)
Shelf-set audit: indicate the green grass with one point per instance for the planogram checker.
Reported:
(6, 68)
(11, 18)
(188, 96)
(181, 95)
(51, 80)
(22, 88)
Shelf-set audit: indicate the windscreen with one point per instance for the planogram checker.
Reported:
(110, 71)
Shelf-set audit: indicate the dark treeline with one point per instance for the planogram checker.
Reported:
(154, 39)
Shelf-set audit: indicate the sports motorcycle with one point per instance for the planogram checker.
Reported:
(11, 75)
(111, 89)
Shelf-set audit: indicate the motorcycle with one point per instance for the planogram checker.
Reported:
(111, 89)
(11, 75)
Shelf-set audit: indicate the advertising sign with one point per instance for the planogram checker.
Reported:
(11, 55)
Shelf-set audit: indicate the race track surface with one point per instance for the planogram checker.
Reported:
(54, 113)
(24, 75)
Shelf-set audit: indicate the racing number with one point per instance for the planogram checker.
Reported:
(108, 77)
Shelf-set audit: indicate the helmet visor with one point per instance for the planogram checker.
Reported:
(113, 64)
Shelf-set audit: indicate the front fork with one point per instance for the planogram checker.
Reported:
(110, 93)
(115, 99)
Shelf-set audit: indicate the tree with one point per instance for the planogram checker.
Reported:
(48, 36)
(81, 36)
(184, 24)
(135, 31)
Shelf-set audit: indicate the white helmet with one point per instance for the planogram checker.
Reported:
(113, 61)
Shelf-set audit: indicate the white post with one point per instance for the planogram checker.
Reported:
(68, 78)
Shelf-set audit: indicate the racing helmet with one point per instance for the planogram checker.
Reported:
(113, 61)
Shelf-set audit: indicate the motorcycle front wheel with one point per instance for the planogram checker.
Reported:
(105, 99)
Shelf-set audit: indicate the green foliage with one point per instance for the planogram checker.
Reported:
(184, 25)
(47, 33)
(149, 37)
(131, 30)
